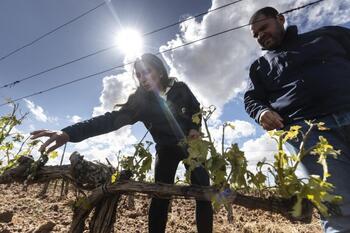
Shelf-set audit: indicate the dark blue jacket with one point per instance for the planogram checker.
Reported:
(308, 76)
(168, 121)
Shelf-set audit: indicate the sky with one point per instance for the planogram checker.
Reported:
(215, 69)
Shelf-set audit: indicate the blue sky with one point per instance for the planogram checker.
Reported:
(215, 69)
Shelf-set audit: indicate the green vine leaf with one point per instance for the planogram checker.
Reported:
(53, 154)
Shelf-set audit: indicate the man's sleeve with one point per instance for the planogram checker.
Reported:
(106, 123)
(341, 35)
(255, 100)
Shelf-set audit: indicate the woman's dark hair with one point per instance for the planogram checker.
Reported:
(268, 11)
(156, 63)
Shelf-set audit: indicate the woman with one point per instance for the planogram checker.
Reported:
(165, 106)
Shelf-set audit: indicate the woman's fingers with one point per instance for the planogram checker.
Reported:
(48, 142)
(40, 133)
(54, 147)
(37, 131)
(59, 137)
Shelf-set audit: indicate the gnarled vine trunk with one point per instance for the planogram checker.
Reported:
(104, 196)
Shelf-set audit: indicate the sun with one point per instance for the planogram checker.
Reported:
(130, 42)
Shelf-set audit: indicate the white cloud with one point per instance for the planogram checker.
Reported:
(216, 68)
(263, 147)
(326, 13)
(107, 145)
(260, 149)
(39, 112)
(116, 89)
(241, 129)
(74, 118)
(31, 127)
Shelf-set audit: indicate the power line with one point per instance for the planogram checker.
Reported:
(165, 51)
(114, 46)
(301, 7)
(50, 32)
(192, 17)
(54, 68)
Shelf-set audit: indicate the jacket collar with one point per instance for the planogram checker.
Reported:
(164, 94)
(290, 35)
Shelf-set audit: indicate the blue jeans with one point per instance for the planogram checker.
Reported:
(339, 168)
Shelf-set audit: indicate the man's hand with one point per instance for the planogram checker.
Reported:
(193, 134)
(60, 138)
(270, 120)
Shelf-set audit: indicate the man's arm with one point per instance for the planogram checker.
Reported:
(255, 101)
(341, 35)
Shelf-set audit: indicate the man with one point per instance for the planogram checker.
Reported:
(305, 77)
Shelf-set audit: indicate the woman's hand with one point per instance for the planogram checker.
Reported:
(193, 134)
(59, 137)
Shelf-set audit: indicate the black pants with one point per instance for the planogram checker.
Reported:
(167, 161)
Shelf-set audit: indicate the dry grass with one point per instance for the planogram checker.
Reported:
(31, 212)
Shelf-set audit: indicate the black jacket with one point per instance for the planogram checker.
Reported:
(306, 77)
(168, 121)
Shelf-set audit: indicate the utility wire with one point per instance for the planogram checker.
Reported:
(114, 46)
(165, 51)
(192, 17)
(301, 7)
(50, 32)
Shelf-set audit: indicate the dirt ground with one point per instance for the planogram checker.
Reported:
(28, 213)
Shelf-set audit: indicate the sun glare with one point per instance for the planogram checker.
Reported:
(129, 41)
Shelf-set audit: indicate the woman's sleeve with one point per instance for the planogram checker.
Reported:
(193, 108)
(110, 121)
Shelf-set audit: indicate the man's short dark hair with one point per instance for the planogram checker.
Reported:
(268, 11)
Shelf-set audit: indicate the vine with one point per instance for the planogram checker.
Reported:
(14, 145)
(228, 169)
